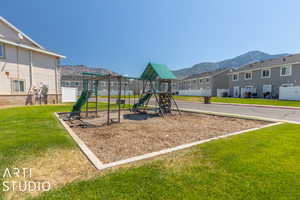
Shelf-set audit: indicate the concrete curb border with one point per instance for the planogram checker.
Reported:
(83, 147)
(100, 166)
(180, 147)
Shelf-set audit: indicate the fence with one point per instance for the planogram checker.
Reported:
(69, 94)
(289, 93)
(200, 92)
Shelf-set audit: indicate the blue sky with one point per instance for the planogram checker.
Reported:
(123, 35)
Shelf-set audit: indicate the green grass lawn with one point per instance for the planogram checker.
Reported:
(263, 164)
(272, 102)
(29, 131)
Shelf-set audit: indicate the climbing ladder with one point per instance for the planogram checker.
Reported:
(164, 102)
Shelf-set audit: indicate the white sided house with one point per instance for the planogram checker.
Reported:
(25, 67)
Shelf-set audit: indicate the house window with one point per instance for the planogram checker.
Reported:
(286, 70)
(74, 83)
(248, 87)
(18, 86)
(287, 85)
(1, 50)
(235, 77)
(266, 73)
(248, 75)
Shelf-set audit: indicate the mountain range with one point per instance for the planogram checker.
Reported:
(236, 62)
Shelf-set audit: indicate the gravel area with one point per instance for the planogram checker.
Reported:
(138, 134)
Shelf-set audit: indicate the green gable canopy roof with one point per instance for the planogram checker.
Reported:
(157, 71)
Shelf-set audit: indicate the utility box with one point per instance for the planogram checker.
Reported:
(206, 100)
(121, 101)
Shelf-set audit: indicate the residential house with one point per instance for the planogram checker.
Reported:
(72, 76)
(213, 83)
(263, 79)
(75, 80)
(26, 66)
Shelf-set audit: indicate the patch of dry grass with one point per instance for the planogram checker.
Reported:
(58, 166)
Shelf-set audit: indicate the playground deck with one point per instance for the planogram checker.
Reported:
(139, 134)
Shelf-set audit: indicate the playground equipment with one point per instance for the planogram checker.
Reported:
(89, 97)
(156, 81)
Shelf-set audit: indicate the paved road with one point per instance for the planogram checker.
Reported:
(274, 113)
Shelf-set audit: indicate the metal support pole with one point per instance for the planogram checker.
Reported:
(119, 100)
(108, 99)
(96, 93)
(129, 94)
(87, 102)
(134, 90)
(143, 87)
(124, 94)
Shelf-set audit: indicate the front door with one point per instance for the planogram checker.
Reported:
(267, 91)
(267, 88)
(236, 91)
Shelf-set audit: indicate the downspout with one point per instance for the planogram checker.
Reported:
(56, 84)
(30, 71)
(18, 70)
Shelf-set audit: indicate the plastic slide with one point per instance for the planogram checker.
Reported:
(141, 101)
(80, 102)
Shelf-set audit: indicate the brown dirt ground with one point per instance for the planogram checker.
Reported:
(138, 134)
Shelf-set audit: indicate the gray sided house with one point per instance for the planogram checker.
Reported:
(205, 84)
(76, 81)
(72, 77)
(263, 79)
